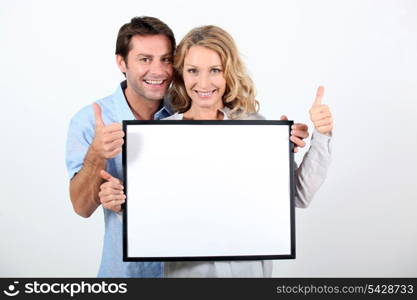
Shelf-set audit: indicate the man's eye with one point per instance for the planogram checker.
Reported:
(145, 59)
(167, 60)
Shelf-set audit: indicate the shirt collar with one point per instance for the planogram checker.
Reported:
(163, 111)
(225, 110)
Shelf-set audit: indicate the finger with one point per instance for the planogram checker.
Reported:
(114, 153)
(300, 126)
(105, 196)
(319, 109)
(319, 96)
(115, 190)
(117, 208)
(113, 127)
(117, 187)
(110, 198)
(324, 122)
(295, 149)
(114, 203)
(113, 206)
(113, 146)
(111, 137)
(325, 129)
(97, 115)
(110, 187)
(284, 118)
(326, 126)
(297, 141)
(106, 176)
(115, 135)
(321, 116)
(300, 133)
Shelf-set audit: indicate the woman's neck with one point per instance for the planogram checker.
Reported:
(204, 113)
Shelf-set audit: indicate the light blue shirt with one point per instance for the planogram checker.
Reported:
(80, 135)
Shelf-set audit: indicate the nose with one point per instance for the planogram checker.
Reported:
(157, 68)
(203, 81)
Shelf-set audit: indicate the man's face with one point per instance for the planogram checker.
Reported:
(149, 66)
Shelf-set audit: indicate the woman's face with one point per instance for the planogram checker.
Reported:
(203, 77)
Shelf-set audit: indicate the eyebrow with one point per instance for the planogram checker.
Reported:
(189, 65)
(150, 55)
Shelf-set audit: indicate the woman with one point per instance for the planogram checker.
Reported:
(211, 83)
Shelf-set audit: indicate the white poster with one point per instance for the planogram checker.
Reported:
(208, 190)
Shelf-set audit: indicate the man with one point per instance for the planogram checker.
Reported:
(144, 53)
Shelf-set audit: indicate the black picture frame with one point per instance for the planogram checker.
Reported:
(292, 255)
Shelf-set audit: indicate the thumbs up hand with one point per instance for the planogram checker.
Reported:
(320, 114)
(111, 192)
(108, 139)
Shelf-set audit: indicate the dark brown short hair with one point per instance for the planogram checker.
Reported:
(141, 26)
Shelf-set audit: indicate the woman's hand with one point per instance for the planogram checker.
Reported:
(320, 114)
(299, 131)
(111, 192)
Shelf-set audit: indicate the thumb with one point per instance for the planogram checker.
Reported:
(284, 118)
(97, 115)
(319, 96)
(106, 176)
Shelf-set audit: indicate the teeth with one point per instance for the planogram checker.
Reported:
(153, 81)
(204, 94)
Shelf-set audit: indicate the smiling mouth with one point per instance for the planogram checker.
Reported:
(205, 94)
(154, 82)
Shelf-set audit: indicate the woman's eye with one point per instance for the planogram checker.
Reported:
(192, 71)
(216, 70)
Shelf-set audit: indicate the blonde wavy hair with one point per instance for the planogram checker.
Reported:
(239, 95)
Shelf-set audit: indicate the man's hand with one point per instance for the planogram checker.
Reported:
(108, 139)
(111, 192)
(320, 114)
(299, 132)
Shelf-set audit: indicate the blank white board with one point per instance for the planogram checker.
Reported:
(208, 190)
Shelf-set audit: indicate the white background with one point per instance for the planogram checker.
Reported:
(58, 56)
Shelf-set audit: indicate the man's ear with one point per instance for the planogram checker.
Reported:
(121, 63)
